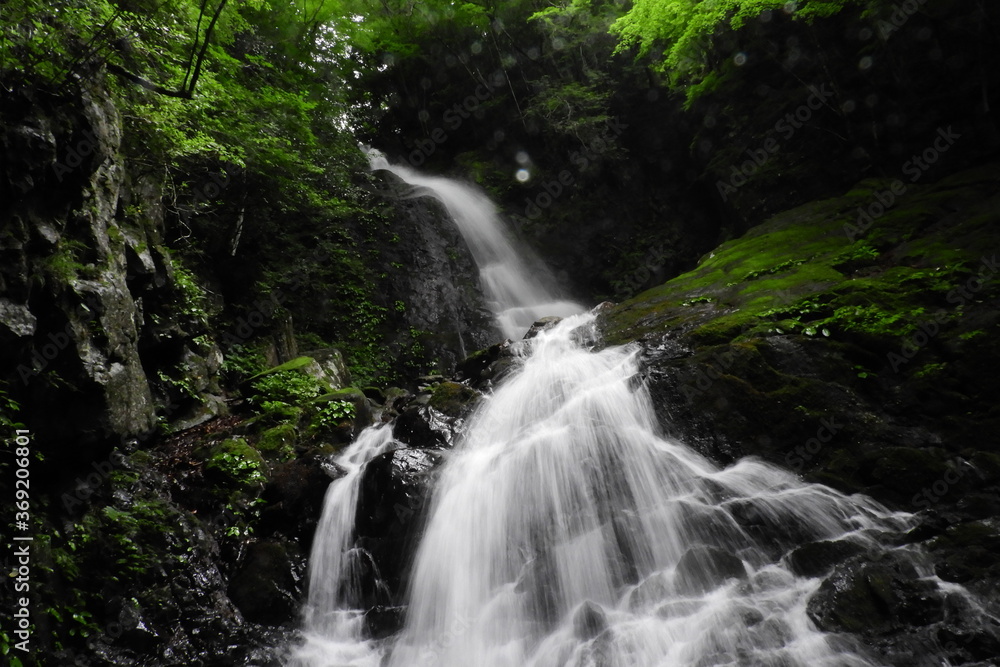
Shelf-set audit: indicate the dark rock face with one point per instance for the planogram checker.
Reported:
(440, 282)
(267, 587)
(875, 599)
(392, 507)
(489, 366)
(92, 324)
(68, 316)
(294, 499)
(815, 559)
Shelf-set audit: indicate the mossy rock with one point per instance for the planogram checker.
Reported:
(297, 364)
(278, 443)
(452, 398)
(235, 464)
(340, 414)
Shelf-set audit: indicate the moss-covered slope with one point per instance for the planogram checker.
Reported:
(853, 340)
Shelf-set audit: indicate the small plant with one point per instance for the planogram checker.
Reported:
(333, 414)
(193, 299)
(288, 386)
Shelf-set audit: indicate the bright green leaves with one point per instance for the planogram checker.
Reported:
(683, 30)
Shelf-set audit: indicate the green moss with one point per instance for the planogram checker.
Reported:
(295, 364)
(283, 392)
(235, 464)
(452, 398)
(800, 273)
(278, 442)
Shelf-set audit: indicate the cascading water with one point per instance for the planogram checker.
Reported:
(516, 286)
(564, 531)
(334, 625)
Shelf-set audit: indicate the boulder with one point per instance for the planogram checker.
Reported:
(391, 511)
(266, 587)
(817, 558)
(704, 568)
(875, 598)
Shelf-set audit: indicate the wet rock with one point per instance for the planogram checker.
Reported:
(382, 621)
(703, 568)
(817, 558)
(266, 587)
(544, 324)
(488, 366)
(453, 399)
(589, 621)
(875, 598)
(391, 505)
(423, 427)
(293, 499)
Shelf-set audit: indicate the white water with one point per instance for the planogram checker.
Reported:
(563, 498)
(562, 505)
(333, 624)
(512, 281)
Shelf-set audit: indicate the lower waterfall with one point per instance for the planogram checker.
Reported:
(565, 531)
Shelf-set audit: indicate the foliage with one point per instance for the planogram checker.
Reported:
(683, 31)
(286, 386)
(333, 414)
(237, 463)
(9, 409)
(242, 362)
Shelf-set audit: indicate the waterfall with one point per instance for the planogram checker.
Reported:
(333, 621)
(566, 531)
(517, 286)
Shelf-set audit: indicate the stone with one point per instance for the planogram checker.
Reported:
(589, 620)
(266, 586)
(815, 559)
(391, 506)
(704, 568)
(543, 324)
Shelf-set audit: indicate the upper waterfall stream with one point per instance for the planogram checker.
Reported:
(566, 531)
(517, 287)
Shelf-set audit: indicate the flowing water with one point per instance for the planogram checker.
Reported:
(333, 623)
(565, 531)
(517, 287)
